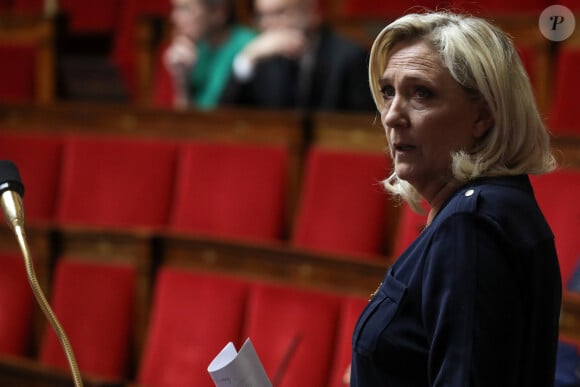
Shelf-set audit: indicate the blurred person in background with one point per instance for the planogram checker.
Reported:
(198, 61)
(296, 61)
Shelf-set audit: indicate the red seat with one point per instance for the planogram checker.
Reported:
(163, 88)
(409, 227)
(16, 307)
(116, 182)
(293, 332)
(193, 316)
(343, 207)
(351, 309)
(377, 9)
(501, 7)
(33, 7)
(95, 305)
(38, 158)
(124, 53)
(17, 72)
(87, 17)
(528, 56)
(231, 190)
(160, 8)
(557, 195)
(563, 119)
(573, 5)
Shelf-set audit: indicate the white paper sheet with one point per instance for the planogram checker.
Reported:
(238, 369)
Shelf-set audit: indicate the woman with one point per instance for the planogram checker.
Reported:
(474, 301)
(200, 56)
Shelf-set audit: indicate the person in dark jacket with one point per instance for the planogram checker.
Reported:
(197, 62)
(297, 61)
(475, 299)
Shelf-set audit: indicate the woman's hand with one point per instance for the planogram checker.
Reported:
(290, 43)
(179, 58)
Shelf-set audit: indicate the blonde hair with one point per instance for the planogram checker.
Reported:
(482, 59)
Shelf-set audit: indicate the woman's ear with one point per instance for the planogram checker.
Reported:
(484, 121)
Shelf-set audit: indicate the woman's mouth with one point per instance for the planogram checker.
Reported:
(403, 148)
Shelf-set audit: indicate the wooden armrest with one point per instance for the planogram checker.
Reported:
(105, 244)
(278, 263)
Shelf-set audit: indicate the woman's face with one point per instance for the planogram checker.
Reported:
(190, 18)
(426, 115)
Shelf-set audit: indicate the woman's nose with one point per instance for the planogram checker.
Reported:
(394, 113)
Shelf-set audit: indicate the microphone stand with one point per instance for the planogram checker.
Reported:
(12, 208)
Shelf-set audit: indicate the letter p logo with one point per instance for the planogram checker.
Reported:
(557, 23)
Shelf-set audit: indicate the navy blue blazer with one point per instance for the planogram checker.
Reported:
(473, 301)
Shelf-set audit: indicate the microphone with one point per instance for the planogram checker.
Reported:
(11, 192)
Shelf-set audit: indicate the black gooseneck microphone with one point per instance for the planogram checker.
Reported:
(11, 192)
(10, 178)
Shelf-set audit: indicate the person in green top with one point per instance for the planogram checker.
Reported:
(199, 58)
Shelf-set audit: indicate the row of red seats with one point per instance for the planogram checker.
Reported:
(231, 190)
(105, 16)
(302, 336)
(374, 9)
(85, 18)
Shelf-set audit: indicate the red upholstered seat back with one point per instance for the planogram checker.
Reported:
(409, 227)
(17, 72)
(154, 7)
(293, 332)
(557, 195)
(343, 206)
(95, 304)
(116, 182)
(16, 306)
(351, 309)
(163, 88)
(34, 7)
(193, 316)
(527, 56)
(124, 45)
(574, 5)
(377, 9)
(231, 190)
(87, 17)
(38, 159)
(563, 118)
(498, 7)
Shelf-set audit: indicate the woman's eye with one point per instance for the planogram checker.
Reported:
(388, 91)
(422, 92)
